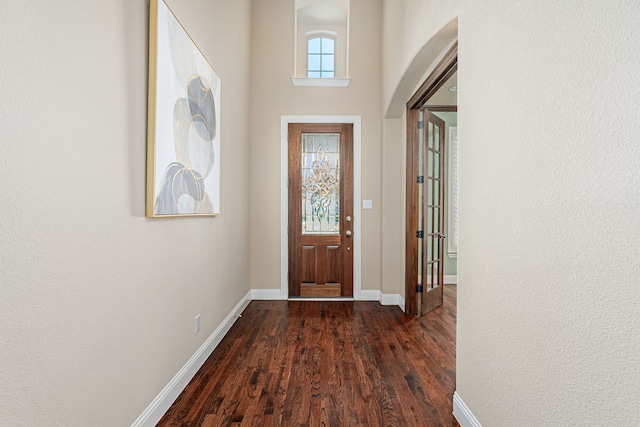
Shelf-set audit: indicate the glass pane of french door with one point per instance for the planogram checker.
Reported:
(430, 203)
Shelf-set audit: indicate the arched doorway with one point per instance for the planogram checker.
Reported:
(425, 203)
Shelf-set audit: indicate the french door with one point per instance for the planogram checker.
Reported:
(320, 210)
(425, 211)
(430, 210)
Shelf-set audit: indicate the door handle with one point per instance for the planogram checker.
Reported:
(348, 233)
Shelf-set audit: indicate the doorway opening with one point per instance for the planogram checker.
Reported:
(320, 210)
(353, 226)
(431, 117)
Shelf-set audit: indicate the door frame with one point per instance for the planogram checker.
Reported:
(445, 69)
(284, 198)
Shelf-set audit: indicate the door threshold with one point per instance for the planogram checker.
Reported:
(320, 299)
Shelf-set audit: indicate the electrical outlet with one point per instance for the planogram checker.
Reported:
(197, 323)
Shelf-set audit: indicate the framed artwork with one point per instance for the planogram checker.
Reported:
(183, 147)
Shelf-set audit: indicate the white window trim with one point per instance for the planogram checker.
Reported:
(325, 82)
(323, 34)
(322, 81)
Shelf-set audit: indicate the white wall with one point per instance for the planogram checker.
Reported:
(97, 302)
(393, 206)
(273, 95)
(548, 300)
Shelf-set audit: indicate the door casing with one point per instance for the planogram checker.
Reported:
(445, 69)
(284, 198)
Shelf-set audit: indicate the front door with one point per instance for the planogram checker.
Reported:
(320, 210)
(431, 211)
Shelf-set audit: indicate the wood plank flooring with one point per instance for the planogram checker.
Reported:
(303, 363)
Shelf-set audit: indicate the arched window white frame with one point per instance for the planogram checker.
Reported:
(321, 55)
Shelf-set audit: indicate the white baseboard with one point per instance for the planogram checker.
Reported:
(365, 295)
(159, 406)
(266, 294)
(340, 299)
(370, 295)
(463, 414)
(390, 299)
(384, 299)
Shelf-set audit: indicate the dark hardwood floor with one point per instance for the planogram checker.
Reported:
(303, 363)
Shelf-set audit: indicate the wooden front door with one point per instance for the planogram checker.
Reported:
(431, 211)
(320, 210)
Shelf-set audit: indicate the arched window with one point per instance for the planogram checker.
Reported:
(321, 43)
(321, 57)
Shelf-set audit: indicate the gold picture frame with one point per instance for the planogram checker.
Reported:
(183, 130)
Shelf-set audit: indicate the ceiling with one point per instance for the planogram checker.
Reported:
(444, 96)
(322, 12)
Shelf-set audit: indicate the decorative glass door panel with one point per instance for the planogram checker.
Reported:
(320, 183)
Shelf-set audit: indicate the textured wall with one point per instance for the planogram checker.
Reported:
(548, 254)
(273, 95)
(96, 301)
(548, 300)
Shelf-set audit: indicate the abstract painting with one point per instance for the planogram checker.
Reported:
(183, 152)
